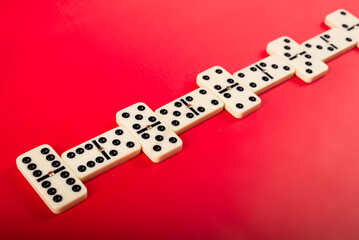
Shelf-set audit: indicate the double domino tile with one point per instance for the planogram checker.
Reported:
(59, 181)
(55, 183)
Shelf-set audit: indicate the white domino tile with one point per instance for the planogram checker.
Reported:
(330, 44)
(238, 99)
(158, 141)
(341, 18)
(307, 67)
(53, 181)
(102, 153)
(265, 74)
(190, 110)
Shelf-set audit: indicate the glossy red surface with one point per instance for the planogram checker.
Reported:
(288, 171)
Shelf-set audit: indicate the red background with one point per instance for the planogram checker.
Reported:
(288, 171)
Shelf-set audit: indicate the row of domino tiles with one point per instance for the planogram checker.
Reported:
(59, 180)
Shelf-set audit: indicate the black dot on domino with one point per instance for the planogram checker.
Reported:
(176, 113)
(252, 99)
(253, 69)
(230, 80)
(200, 109)
(217, 87)
(81, 168)
(65, 174)
(159, 138)
(145, 136)
(227, 95)
(308, 45)
(113, 153)
(37, 173)
(274, 66)
(309, 71)
(219, 71)
(241, 75)
(343, 13)
(141, 108)
(189, 98)
(51, 191)
(26, 160)
(89, 146)
(175, 123)
(125, 115)
(99, 159)
(308, 63)
(102, 140)
(173, 140)
(240, 89)
(202, 91)
(319, 47)
(189, 115)
(262, 64)
(46, 184)
(286, 68)
(253, 85)
(239, 105)
(163, 111)
(80, 151)
(331, 49)
(90, 164)
(205, 77)
(286, 40)
(157, 148)
(287, 54)
(326, 36)
(214, 102)
(71, 155)
(50, 157)
(118, 132)
(264, 78)
(139, 117)
(45, 151)
(130, 144)
(55, 164)
(70, 181)
(286, 47)
(57, 198)
(76, 188)
(345, 26)
(178, 104)
(31, 166)
(308, 56)
(136, 126)
(152, 119)
(161, 128)
(116, 142)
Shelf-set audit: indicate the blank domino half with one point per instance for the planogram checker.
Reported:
(53, 181)
(265, 74)
(190, 110)
(102, 153)
(341, 18)
(158, 141)
(330, 44)
(307, 67)
(238, 99)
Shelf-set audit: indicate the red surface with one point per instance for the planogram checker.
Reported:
(288, 171)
